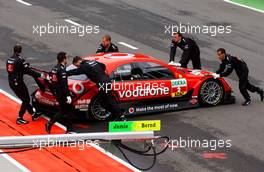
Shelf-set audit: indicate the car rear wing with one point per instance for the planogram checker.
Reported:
(43, 82)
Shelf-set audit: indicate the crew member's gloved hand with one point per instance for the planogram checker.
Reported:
(215, 75)
(69, 100)
(42, 75)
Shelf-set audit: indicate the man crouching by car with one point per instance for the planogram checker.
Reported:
(59, 81)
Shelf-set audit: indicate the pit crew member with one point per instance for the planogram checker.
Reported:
(59, 81)
(16, 68)
(190, 50)
(228, 63)
(107, 46)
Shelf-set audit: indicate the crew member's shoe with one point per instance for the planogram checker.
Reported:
(261, 93)
(36, 116)
(246, 103)
(48, 126)
(20, 121)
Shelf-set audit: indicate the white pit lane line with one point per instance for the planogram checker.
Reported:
(23, 2)
(244, 6)
(24, 169)
(72, 22)
(128, 45)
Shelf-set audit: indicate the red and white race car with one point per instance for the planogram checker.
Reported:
(141, 84)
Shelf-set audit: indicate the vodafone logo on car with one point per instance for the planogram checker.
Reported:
(78, 88)
(131, 110)
(143, 92)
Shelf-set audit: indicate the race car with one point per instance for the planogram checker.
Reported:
(140, 84)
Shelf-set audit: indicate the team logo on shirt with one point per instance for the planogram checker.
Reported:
(10, 67)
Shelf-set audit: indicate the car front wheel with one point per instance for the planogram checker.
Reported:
(211, 92)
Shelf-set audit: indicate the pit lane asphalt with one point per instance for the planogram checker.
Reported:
(141, 23)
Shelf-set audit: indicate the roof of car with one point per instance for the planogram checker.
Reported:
(112, 60)
(105, 57)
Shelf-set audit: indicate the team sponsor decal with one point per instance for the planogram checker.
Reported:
(193, 101)
(178, 83)
(144, 92)
(179, 87)
(10, 67)
(131, 110)
(78, 88)
(54, 78)
(46, 101)
(178, 93)
(82, 107)
(154, 108)
(82, 104)
(84, 101)
(147, 89)
(119, 71)
(43, 100)
(143, 109)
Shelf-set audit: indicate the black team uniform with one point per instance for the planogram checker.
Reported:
(190, 50)
(226, 67)
(17, 67)
(111, 49)
(59, 81)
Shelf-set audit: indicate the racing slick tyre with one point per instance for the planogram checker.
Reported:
(211, 93)
(97, 111)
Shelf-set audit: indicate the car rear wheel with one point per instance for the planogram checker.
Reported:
(97, 110)
(211, 92)
(35, 103)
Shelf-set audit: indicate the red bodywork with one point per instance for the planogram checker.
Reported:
(184, 81)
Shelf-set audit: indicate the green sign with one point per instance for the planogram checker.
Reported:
(128, 126)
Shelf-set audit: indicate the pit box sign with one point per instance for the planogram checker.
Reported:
(134, 126)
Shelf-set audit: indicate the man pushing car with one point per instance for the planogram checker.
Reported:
(95, 71)
(228, 64)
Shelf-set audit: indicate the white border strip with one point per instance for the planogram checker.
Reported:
(23, 2)
(245, 6)
(72, 22)
(64, 128)
(128, 45)
(13, 161)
